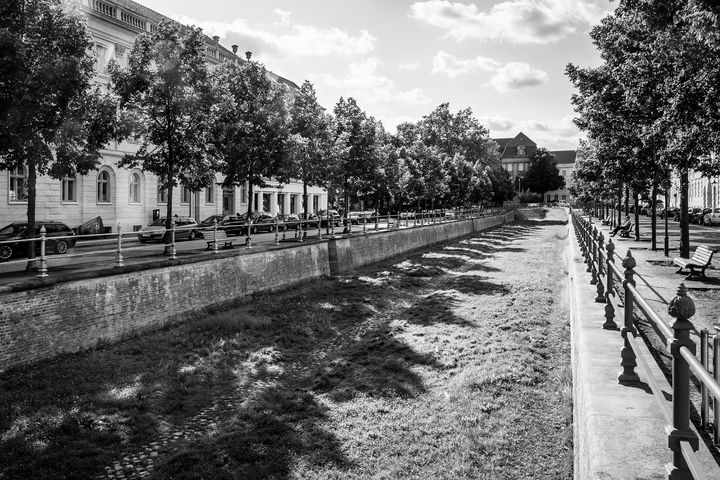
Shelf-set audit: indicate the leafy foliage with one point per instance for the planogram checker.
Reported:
(166, 92)
(543, 175)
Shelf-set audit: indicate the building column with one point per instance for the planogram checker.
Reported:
(274, 204)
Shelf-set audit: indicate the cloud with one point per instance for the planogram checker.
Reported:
(509, 76)
(362, 82)
(287, 38)
(409, 66)
(558, 134)
(514, 21)
(516, 75)
(452, 66)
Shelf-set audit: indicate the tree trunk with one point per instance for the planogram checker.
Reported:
(636, 198)
(653, 219)
(169, 210)
(32, 265)
(627, 201)
(305, 209)
(684, 220)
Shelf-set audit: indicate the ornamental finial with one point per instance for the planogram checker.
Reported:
(629, 262)
(681, 306)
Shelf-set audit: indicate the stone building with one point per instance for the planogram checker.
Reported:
(129, 197)
(515, 153)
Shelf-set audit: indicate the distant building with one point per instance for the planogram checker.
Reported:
(515, 153)
(130, 196)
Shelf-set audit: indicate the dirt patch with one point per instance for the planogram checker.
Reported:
(452, 362)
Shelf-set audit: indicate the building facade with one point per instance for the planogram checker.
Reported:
(515, 154)
(130, 197)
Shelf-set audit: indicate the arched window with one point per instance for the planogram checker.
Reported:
(134, 194)
(18, 184)
(103, 187)
(69, 189)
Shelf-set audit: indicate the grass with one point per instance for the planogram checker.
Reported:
(453, 363)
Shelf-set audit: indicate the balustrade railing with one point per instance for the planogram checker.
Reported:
(122, 245)
(619, 287)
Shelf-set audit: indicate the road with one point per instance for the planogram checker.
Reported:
(98, 254)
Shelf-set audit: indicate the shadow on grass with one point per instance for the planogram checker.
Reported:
(435, 308)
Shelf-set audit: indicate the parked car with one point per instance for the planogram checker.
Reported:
(329, 217)
(407, 215)
(235, 224)
(16, 232)
(209, 223)
(696, 214)
(263, 222)
(288, 221)
(670, 212)
(186, 228)
(701, 216)
(355, 217)
(712, 217)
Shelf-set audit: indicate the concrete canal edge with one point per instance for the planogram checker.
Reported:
(47, 318)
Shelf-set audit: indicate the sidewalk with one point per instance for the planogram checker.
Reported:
(620, 429)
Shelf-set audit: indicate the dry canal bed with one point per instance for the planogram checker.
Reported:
(452, 362)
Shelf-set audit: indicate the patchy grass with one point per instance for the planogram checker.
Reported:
(452, 363)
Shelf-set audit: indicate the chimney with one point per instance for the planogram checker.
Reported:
(248, 55)
(216, 38)
(234, 49)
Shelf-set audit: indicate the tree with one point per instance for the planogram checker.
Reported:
(353, 147)
(166, 89)
(543, 175)
(252, 127)
(309, 143)
(502, 184)
(53, 121)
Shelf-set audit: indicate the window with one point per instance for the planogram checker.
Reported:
(101, 59)
(18, 184)
(134, 194)
(293, 203)
(185, 195)
(210, 194)
(521, 150)
(243, 193)
(103, 187)
(508, 167)
(162, 192)
(316, 203)
(281, 203)
(69, 189)
(521, 167)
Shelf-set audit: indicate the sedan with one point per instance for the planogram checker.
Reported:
(712, 217)
(186, 228)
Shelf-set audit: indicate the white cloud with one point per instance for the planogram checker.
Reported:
(557, 134)
(288, 38)
(515, 21)
(362, 82)
(409, 66)
(452, 66)
(516, 75)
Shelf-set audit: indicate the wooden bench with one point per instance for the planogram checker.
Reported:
(219, 235)
(626, 232)
(700, 259)
(607, 220)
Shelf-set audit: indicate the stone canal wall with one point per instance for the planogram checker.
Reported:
(69, 316)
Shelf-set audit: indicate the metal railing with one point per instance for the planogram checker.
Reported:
(120, 243)
(617, 286)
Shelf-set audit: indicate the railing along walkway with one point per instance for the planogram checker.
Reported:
(616, 288)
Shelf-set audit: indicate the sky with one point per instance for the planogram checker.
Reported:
(400, 59)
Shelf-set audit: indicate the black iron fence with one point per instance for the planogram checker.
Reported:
(616, 288)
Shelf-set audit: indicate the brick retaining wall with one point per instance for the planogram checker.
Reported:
(39, 323)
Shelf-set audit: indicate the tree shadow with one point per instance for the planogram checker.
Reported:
(434, 309)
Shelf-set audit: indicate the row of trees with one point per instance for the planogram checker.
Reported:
(193, 120)
(651, 110)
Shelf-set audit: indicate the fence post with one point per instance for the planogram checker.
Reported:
(42, 272)
(628, 374)
(600, 297)
(215, 242)
(716, 401)
(610, 290)
(119, 256)
(704, 397)
(593, 257)
(173, 252)
(681, 308)
(277, 229)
